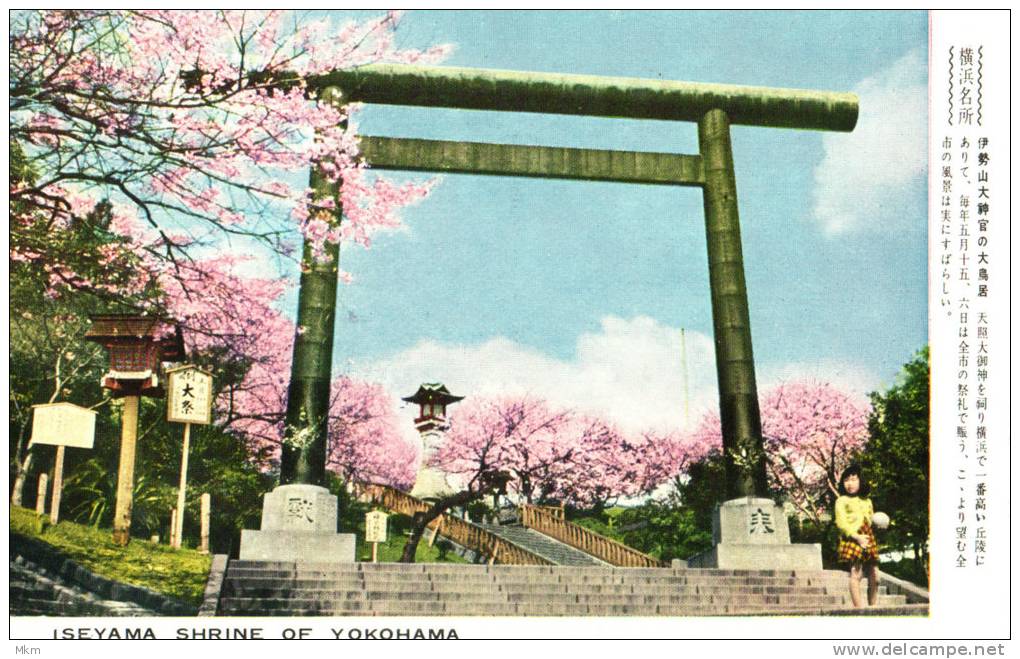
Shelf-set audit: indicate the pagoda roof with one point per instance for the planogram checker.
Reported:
(432, 392)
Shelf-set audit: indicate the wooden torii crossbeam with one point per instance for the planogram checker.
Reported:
(713, 107)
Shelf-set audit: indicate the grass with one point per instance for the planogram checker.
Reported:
(178, 573)
(391, 550)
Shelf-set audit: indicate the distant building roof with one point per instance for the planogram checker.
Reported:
(432, 392)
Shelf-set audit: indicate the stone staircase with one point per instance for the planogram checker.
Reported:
(542, 545)
(33, 592)
(393, 589)
(45, 582)
(535, 536)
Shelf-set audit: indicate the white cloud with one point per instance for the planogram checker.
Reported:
(862, 179)
(845, 376)
(630, 371)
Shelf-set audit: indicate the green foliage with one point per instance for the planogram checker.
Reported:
(906, 569)
(478, 511)
(808, 531)
(600, 524)
(20, 171)
(702, 490)
(896, 460)
(179, 573)
(218, 464)
(91, 494)
(664, 530)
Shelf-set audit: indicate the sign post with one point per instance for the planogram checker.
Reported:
(375, 531)
(40, 494)
(62, 425)
(203, 548)
(189, 401)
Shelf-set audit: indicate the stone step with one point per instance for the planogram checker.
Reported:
(524, 578)
(290, 607)
(358, 595)
(267, 588)
(848, 610)
(466, 568)
(27, 589)
(370, 598)
(311, 607)
(646, 596)
(391, 589)
(432, 584)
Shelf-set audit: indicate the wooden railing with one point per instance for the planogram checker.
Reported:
(464, 533)
(556, 511)
(599, 546)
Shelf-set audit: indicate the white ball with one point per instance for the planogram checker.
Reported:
(880, 521)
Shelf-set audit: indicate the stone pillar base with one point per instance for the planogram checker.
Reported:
(297, 547)
(760, 557)
(431, 484)
(752, 533)
(299, 525)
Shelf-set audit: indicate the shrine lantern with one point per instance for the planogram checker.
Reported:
(137, 345)
(432, 400)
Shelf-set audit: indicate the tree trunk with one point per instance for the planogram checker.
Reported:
(23, 466)
(422, 520)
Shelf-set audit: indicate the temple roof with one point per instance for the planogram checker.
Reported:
(432, 392)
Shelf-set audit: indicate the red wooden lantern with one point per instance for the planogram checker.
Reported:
(136, 345)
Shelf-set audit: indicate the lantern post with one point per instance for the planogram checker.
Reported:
(137, 345)
(432, 400)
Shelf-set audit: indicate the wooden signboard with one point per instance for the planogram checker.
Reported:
(375, 530)
(63, 424)
(189, 398)
(375, 526)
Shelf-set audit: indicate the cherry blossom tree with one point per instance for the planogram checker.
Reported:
(201, 123)
(520, 436)
(364, 440)
(554, 454)
(171, 132)
(812, 431)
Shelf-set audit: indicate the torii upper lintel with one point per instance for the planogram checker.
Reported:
(597, 96)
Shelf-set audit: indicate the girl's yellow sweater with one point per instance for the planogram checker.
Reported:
(851, 513)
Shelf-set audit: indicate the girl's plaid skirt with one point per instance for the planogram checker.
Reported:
(849, 551)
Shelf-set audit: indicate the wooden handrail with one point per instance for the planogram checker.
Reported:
(599, 546)
(464, 533)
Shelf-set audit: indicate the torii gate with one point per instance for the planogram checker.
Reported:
(714, 107)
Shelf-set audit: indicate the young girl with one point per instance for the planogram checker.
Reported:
(857, 545)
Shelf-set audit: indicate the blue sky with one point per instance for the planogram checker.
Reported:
(578, 290)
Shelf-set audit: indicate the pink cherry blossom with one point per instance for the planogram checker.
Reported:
(103, 105)
(812, 431)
